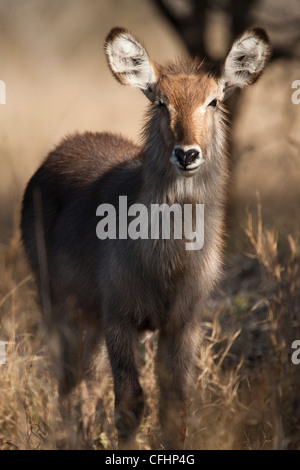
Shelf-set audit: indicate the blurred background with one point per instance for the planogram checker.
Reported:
(57, 82)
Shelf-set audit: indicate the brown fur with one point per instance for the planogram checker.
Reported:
(113, 290)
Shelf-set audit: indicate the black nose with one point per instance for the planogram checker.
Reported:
(186, 158)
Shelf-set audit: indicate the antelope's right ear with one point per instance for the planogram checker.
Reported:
(129, 61)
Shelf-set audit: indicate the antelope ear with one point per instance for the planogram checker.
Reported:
(129, 61)
(246, 60)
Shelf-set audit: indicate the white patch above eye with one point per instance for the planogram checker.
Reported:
(199, 110)
(203, 107)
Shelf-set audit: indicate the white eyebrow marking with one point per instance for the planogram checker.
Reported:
(202, 108)
(199, 110)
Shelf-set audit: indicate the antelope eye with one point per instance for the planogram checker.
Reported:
(213, 103)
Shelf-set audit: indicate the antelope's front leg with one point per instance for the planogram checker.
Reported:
(121, 341)
(175, 358)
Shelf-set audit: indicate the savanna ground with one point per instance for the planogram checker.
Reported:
(246, 391)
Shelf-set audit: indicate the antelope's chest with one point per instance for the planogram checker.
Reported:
(163, 287)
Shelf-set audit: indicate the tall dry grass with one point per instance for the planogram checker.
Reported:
(245, 394)
(246, 389)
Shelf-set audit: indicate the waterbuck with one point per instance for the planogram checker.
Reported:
(111, 290)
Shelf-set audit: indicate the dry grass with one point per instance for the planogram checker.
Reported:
(248, 384)
(245, 395)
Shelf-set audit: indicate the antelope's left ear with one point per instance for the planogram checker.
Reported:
(246, 60)
(129, 61)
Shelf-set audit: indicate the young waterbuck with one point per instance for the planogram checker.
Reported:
(111, 290)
